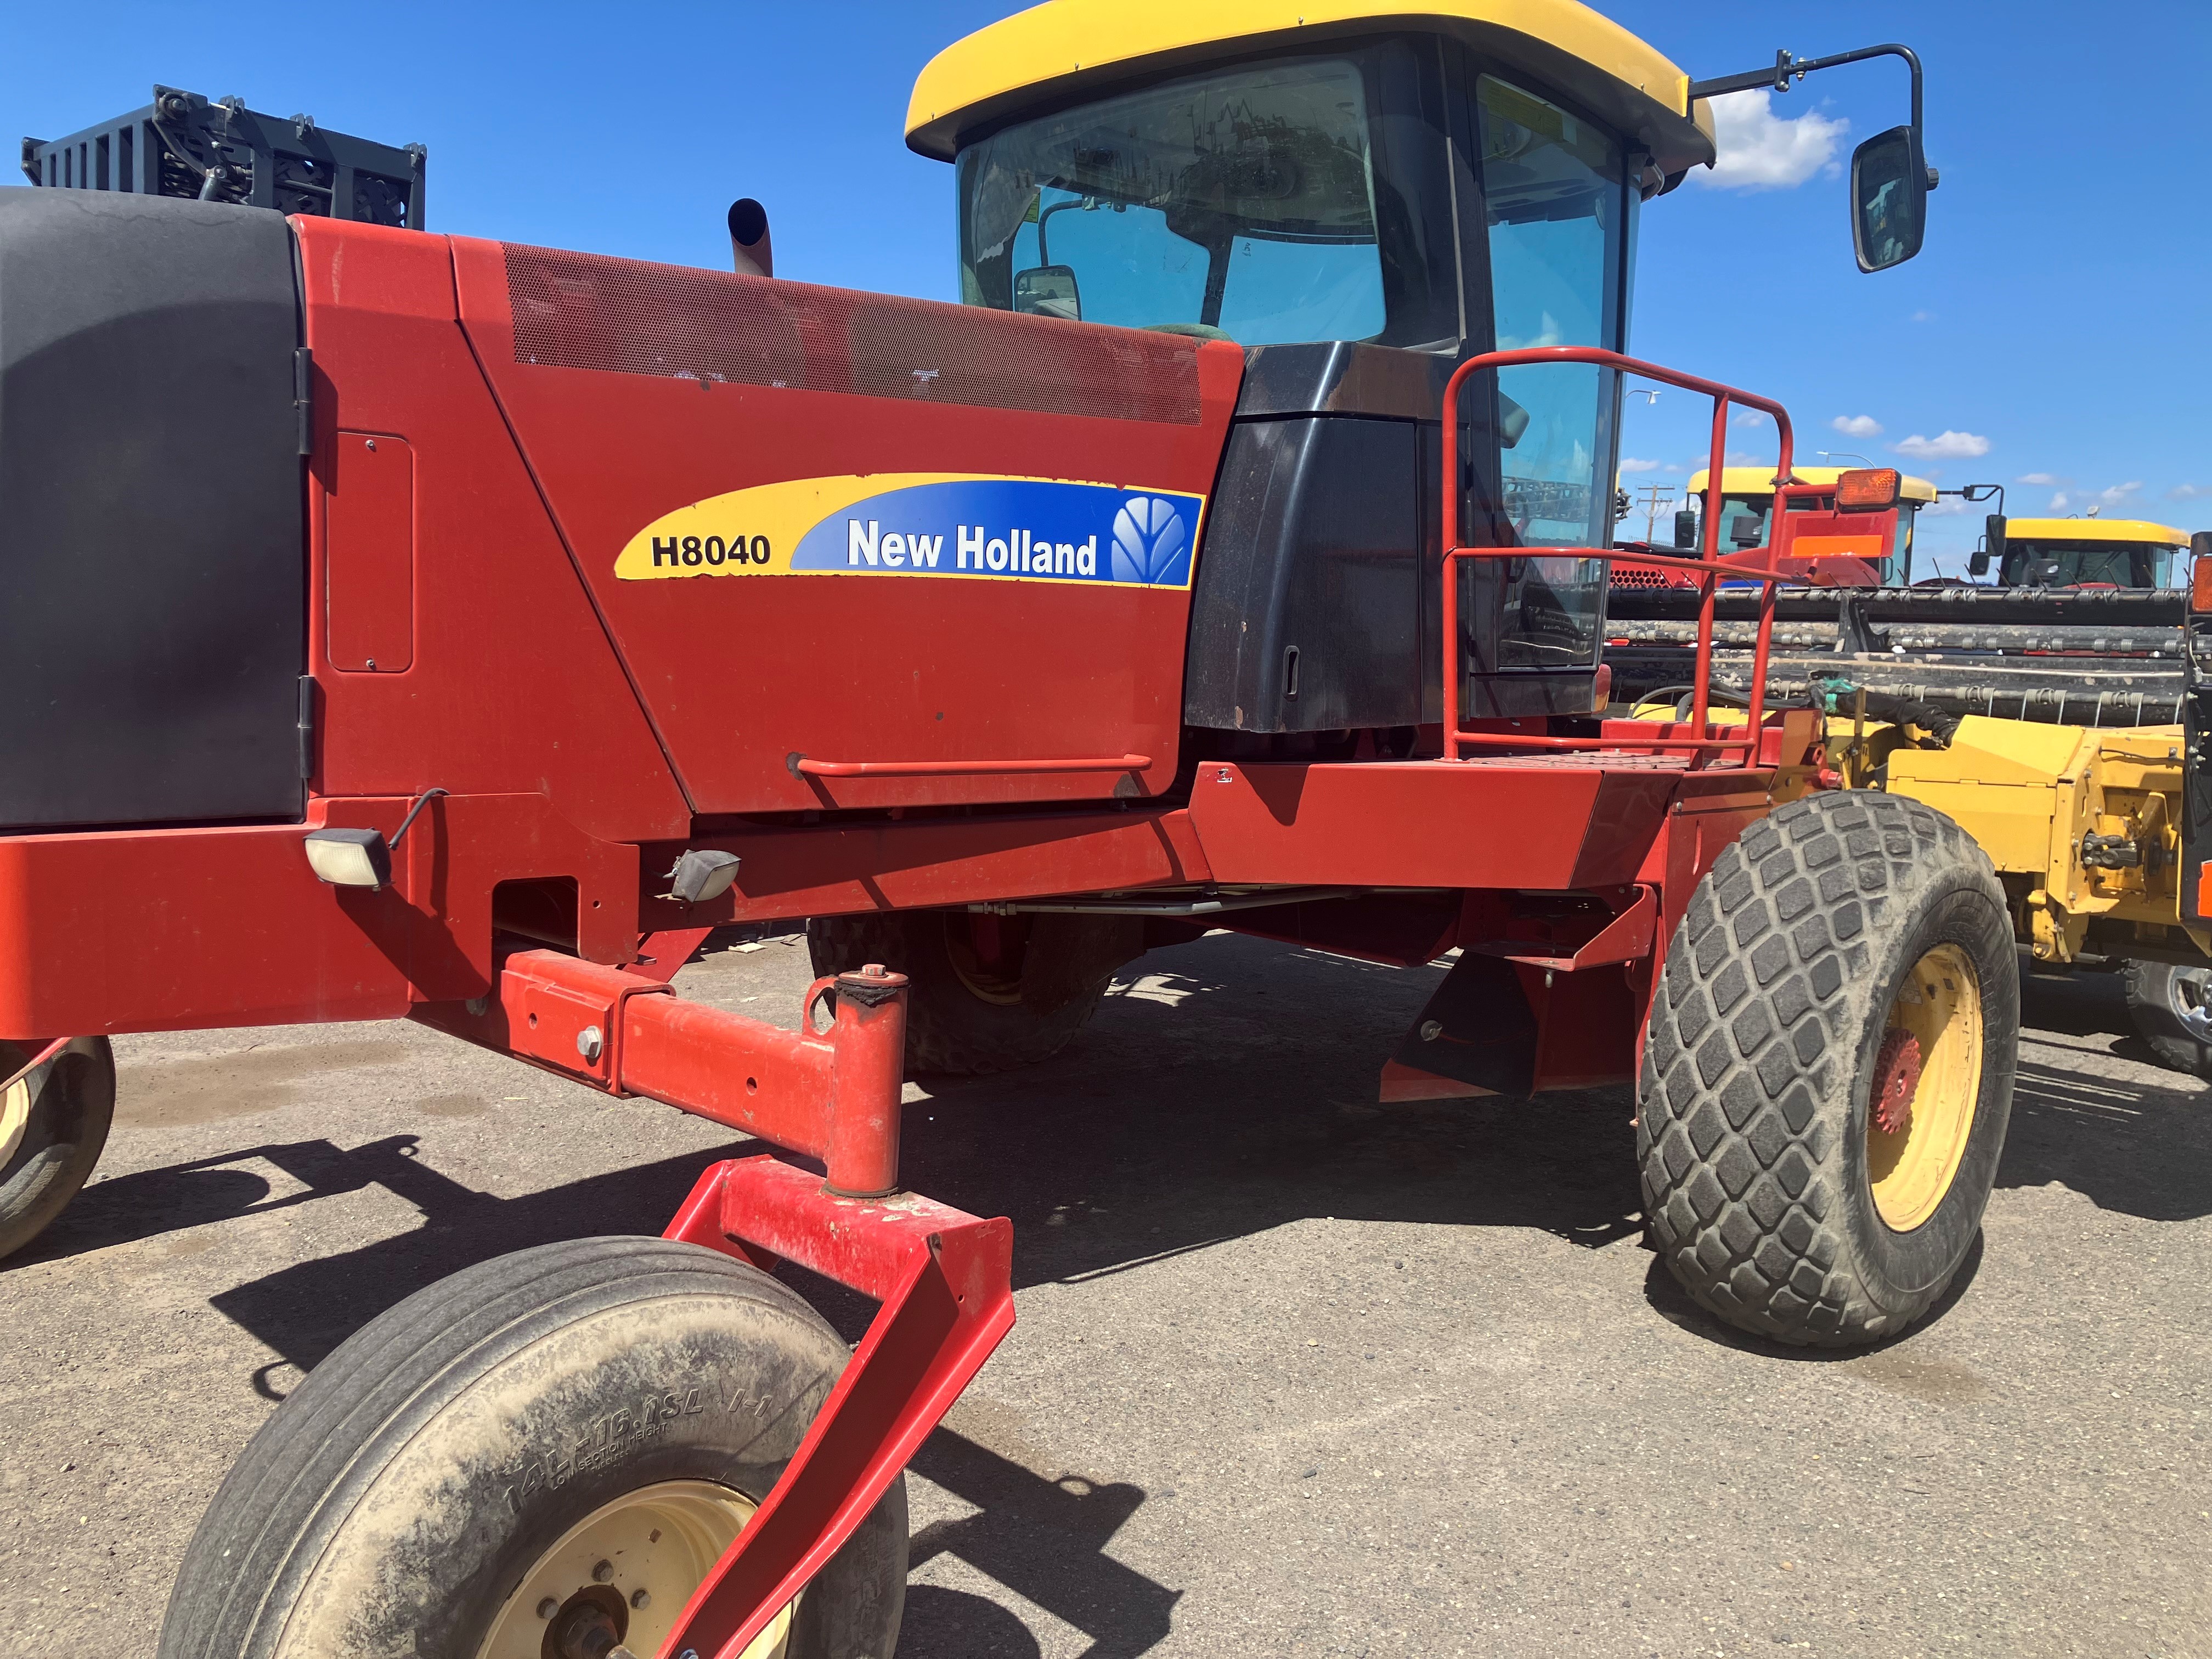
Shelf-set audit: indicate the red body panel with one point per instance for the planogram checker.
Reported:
(741, 674)
(158, 930)
(1431, 824)
(827, 869)
(469, 557)
(513, 685)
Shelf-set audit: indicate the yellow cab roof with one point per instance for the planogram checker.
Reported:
(1062, 48)
(1759, 481)
(2092, 530)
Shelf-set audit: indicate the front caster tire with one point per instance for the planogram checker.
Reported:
(1828, 1071)
(2172, 1009)
(566, 1436)
(53, 1125)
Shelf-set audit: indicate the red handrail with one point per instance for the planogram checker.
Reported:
(1707, 562)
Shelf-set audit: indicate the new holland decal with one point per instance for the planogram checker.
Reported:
(926, 524)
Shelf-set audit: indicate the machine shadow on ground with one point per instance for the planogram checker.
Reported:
(2138, 1149)
(1226, 1089)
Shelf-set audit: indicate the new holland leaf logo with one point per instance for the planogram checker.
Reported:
(1151, 542)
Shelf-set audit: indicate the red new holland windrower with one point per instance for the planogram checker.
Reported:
(421, 626)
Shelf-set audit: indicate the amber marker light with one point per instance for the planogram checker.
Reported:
(1867, 490)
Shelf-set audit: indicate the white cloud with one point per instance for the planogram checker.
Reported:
(2058, 503)
(1761, 150)
(1670, 467)
(1923, 316)
(1857, 426)
(2119, 492)
(1945, 446)
(2037, 478)
(2187, 492)
(1630, 463)
(1943, 506)
(1750, 417)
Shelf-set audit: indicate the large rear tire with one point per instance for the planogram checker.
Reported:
(571, 1433)
(53, 1125)
(2172, 1009)
(990, 992)
(1828, 1071)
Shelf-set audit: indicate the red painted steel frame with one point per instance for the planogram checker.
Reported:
(945, 1280)
(1707, 564)
(832, 1095)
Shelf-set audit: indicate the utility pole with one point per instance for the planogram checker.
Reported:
(1656, 496)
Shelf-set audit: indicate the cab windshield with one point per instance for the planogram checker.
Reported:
(1236, 205)
(2068, 564)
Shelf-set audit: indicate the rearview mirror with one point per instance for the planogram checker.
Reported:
(2200, 544)
(1889, 198)
(1978, 563)
(1995, 525)
(1049, 291)
(1686, 528)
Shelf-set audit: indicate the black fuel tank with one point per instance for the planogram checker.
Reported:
(153, 628)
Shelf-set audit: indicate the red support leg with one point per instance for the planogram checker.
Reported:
(945, 1281)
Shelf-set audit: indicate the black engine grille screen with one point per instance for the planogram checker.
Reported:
(626, 317)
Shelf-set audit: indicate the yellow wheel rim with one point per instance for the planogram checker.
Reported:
(640, 1557)
(1914, 1148)
(14, 1118)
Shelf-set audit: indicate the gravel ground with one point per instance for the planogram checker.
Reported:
(1294, 1373)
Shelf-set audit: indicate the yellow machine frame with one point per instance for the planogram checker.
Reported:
(2033, 796)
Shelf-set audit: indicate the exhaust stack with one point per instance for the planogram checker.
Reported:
(751, 250)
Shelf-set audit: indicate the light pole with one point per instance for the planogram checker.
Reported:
(1655, 497)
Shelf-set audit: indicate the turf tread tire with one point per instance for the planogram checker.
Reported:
(1752, 1095)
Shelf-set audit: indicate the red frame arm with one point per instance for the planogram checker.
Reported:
(945, 1280)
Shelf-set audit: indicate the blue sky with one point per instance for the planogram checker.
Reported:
(2059, 315)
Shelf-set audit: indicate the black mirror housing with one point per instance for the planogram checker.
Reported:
(2200, 544)
(1049, 291)
(1977, 564)
(1686, 528)
(1994, 526)
(1889, 198)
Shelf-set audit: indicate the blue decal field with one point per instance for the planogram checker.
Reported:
(1024, 528)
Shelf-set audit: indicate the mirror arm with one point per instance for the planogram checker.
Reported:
(1979, 493)
(1785, 67)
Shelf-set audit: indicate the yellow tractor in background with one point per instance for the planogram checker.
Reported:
(2120, 553)
(1881, 539)
(2049, 713)
(2084, 825)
